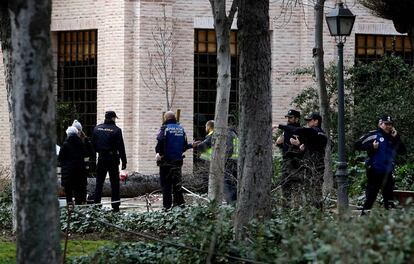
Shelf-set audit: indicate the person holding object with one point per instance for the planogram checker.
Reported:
(171, 144)
(108, 142)
(291, 180)
(312, 141)
(382, 146)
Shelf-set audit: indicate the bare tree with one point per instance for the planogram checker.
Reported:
(399, 11)
(255, 160)
(35, 134)
(319, 66)
(162, 71)
(222, 25)
(318, 55)
(5, 37)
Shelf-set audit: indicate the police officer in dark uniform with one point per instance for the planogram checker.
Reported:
(312, 141)
(382, 146)
(291, 178)
(171, 144)
(107, 140)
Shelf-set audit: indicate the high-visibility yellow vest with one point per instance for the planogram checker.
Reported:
(206, 155)
(235, 154)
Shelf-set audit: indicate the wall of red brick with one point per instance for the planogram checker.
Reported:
(125, 37)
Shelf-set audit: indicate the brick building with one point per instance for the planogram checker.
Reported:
(101, 51)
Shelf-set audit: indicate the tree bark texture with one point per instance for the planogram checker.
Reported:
(218, 159)
(255, 161)
(318, 58)
(5, 37)
(37, 207)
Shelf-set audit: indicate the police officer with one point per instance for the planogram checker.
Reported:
(108, 142)
(205, 147)
(312, 141)
(171, 144)
(291, 157)
(382, 146)
(232, 153)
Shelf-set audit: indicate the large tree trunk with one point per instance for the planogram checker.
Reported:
(255, 161)
(318, 54)
(37, 206)
(218, 159)
(411, 36)
(5, 37)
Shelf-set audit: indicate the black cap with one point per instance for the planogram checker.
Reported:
(386, 119)
(314, 116)
(110, 115)
(293, 113)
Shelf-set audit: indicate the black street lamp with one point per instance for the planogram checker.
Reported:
(340, 22)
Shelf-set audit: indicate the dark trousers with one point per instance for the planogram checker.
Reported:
(170, 180)
(111, 167)
(377, 181)
(230, 181)
(313, 180)
(77, 190)
(292, 180)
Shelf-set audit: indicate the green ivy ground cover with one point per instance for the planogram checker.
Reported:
(75, 248)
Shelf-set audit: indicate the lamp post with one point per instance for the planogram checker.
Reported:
(340, 22)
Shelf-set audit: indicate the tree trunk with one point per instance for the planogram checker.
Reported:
(218, 159)
(5, 36)
(255, 161)
(411, 36)
(37, 207)
(318, 54)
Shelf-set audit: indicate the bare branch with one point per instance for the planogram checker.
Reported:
(232, 12)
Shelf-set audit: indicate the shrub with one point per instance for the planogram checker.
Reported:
(291, 236)
(404, 177)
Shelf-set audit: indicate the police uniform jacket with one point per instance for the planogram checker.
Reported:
(382, 159)
(107, 140)
(171, 141)
(315, 140)
(289, 150)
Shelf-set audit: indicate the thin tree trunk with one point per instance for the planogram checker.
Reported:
(255, 161)
(411, 36)
(37, 206)
(5, 36)
(218, 160)
(222, 25)
(318, 54)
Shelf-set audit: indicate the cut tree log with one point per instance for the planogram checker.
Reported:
(139, 184)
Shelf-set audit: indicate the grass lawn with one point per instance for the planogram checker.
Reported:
(75, 248)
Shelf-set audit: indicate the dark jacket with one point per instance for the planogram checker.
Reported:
(172, 141)
(107, 140)
(381, 160)
(289, 150)
(315, 140)
(71, 158)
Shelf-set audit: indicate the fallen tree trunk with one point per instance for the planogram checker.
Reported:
(139, 184)
(136, 185)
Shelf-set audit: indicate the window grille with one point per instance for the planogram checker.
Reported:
(77, 79)
(205, 78)
(372, 47)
